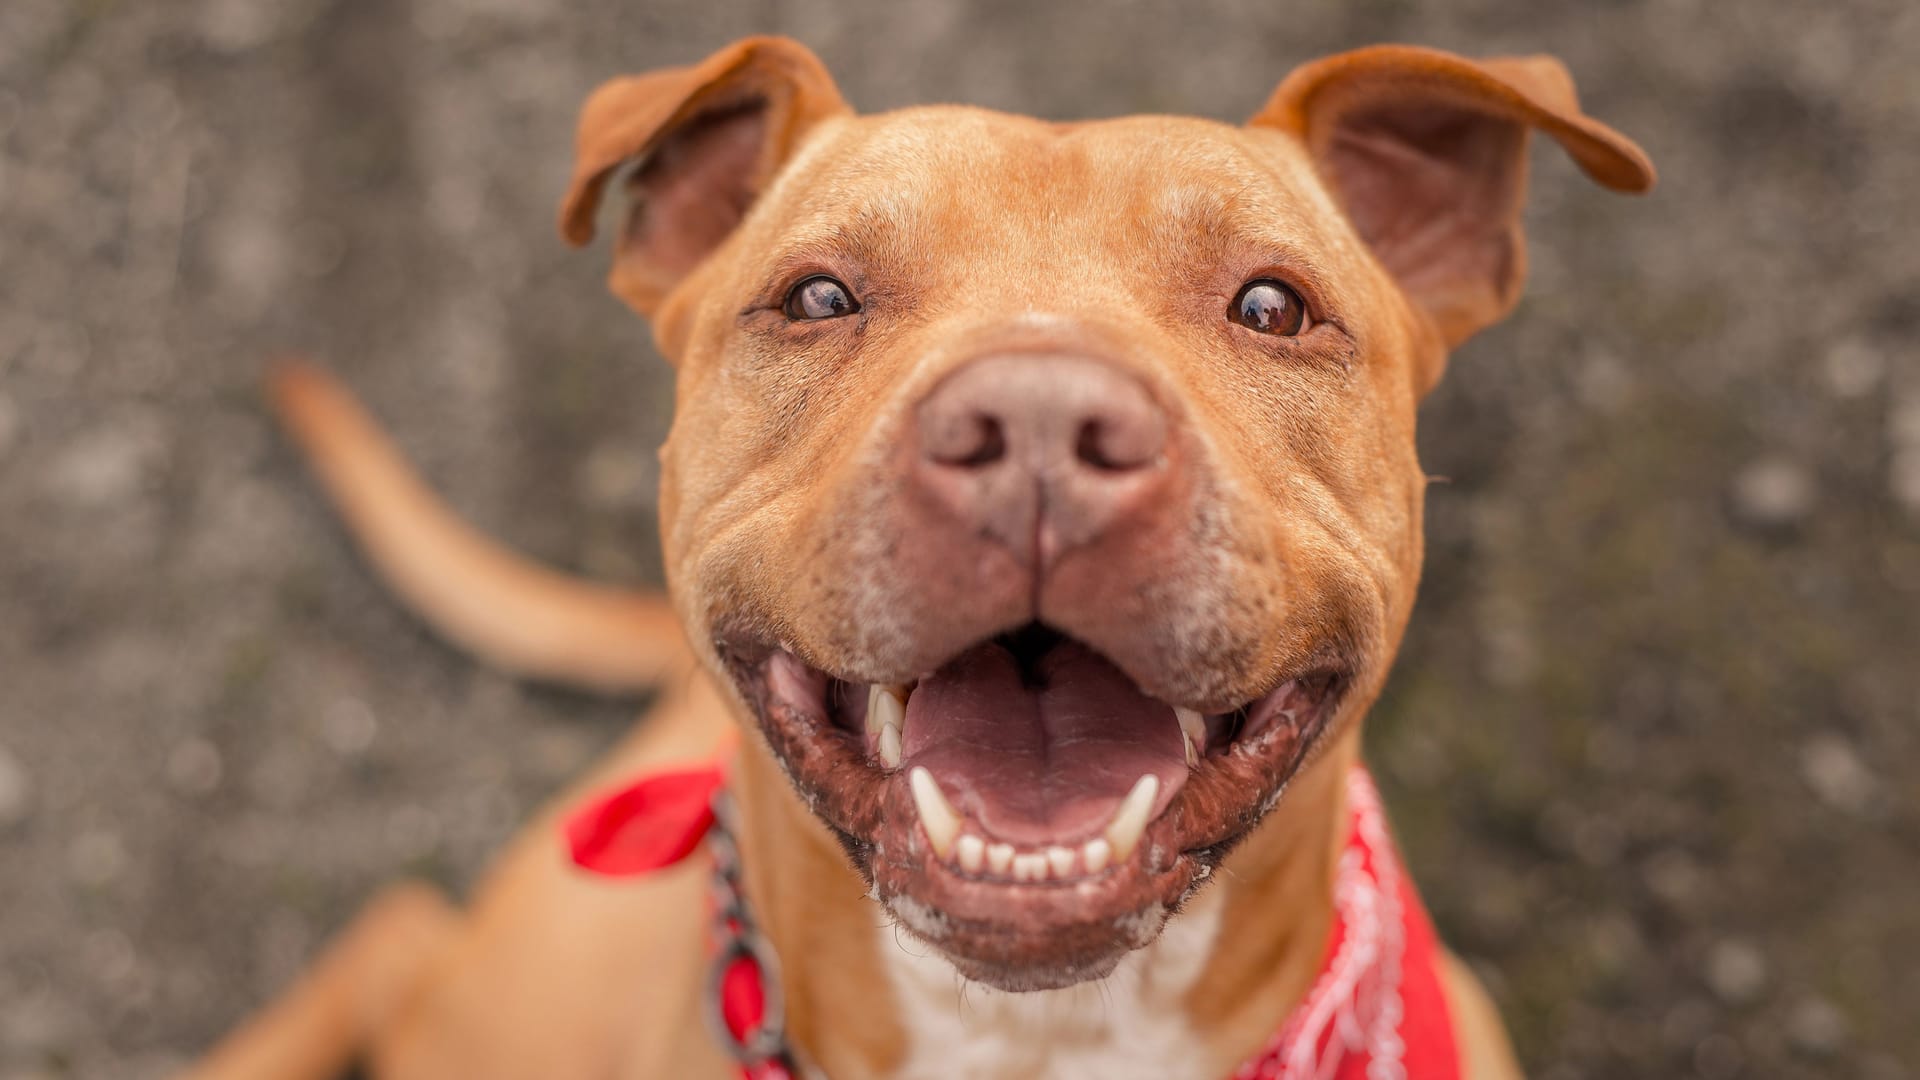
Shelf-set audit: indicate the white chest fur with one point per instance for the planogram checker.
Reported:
(1130, 1024)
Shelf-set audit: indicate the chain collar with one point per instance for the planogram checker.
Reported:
(758, 1044)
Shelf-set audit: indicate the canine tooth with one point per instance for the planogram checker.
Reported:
(1096, 852)
(885, 706)
(999, 857)
(1061, 860)
(972, 851)
(1130, 821)
(1193, 732)
(1029, 868)
(890, 746)
(887, 717)
(936, 813)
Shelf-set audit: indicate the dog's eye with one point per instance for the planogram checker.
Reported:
(820, 297)
(1269, 307)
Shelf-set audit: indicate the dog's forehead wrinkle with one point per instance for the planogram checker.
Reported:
(861, 224)
(1017, 171)
(893, 151)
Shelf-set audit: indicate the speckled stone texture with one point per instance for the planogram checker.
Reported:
(1652, 744)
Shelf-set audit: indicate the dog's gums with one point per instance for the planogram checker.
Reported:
(1026, 790)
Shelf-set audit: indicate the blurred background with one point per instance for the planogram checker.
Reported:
(1653, 740)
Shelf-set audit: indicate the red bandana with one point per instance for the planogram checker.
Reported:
(1376, 1012)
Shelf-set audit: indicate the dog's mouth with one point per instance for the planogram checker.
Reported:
(1025, 807)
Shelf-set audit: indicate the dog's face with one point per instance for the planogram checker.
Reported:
(1047, 492)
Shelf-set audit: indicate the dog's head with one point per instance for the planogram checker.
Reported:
(1047, 491)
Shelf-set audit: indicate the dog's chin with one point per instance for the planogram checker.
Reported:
(1025, 809)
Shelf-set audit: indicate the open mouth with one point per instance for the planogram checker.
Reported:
(1025, 807)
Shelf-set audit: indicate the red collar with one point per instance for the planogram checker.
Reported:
(1377, 1011)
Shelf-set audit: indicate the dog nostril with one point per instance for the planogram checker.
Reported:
(1089, 449)
(1111, 447)
(984, 443)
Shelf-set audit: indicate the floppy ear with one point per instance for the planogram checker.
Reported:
(1427, 153)
(704, 141)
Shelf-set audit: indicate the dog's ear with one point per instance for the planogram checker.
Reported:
(703, 142)
(1427, 153)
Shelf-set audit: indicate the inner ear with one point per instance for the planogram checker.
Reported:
(694, 189)
(1426, 153)
(1435, 191)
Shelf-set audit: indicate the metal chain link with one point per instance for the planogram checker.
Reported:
(737, 938)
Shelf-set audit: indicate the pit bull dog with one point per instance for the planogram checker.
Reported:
(1041, 508)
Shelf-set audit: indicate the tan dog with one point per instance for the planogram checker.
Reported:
(1042, 500)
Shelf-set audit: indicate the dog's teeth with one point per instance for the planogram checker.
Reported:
(1096, 852)
(999, 858)
(1130, 821)
(1193, 732)
(886, 718)
(886, 705)
(1060, 859)
(1029, 868)
(936, 813)
(972, 851)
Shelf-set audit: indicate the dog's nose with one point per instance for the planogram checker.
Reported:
(1043, 452)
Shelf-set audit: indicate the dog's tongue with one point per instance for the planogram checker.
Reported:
(1043, 757)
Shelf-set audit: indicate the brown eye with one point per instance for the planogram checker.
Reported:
(1269, 307)
(820, 297)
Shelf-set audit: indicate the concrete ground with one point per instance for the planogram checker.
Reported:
(1653, 741)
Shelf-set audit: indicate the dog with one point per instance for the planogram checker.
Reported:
(1042, 512)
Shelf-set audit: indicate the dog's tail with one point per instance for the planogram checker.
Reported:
(485, 598)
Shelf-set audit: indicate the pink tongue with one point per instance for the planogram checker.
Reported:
(1042, 763)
